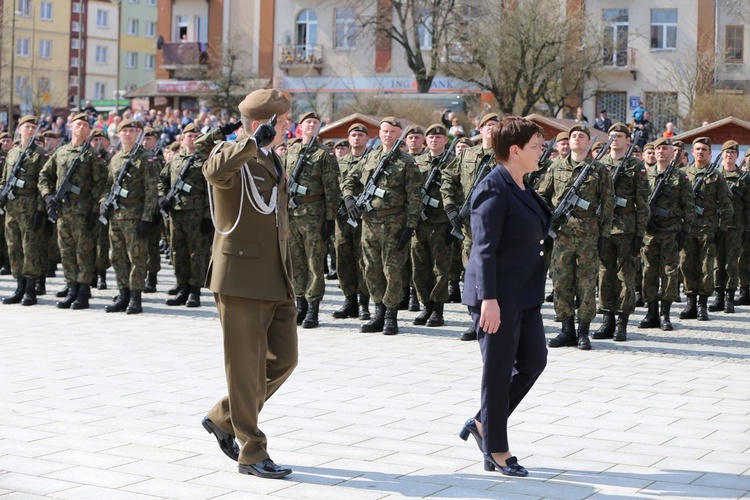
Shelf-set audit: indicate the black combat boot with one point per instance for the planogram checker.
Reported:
(134, 306)
(621, 328)
(691, 309)
(583, 341)
(70, 297)
(51, 269)
(82, 297)
(16, 297)
(729, 303)
(311, 318)
(454, 292)
(41, 286)
(567, 335)
(150, 283)
(174, 290)
(469, 334)
(436, 318)
(102, 275)
(364, 307)
(349, 309)
(413, 301)
(29, 297)
(607, 330)
(718, 302)
(422, 318)
(664, 322)
(63, 292)
(744, 298)
(651, 320)
(181, 298)
(301, 309)
(194, 297)
(702, 313)
(376, 323)
(639, 297)
(404, 304)
(120, 303)
(390, 325)
(5, 269)
(550, 297)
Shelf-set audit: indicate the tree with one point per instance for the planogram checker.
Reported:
(690, 74)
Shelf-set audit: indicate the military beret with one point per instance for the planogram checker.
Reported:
(328, 143)
(191, 128)
(562, 136)
(414, 129)
(580, 128)
(129, 123)
(358, 127)
(175, 146)
(4, 135)
(149, 132)
(51, 135)
(309, 114)
(28, 119)
(489, 117)
(96, 133)
(649, 145)
(618, 127)
(637, 149)
(597, 145)
(262, 104)
(465, 140)
(341, 143)
(734, 145)
(391, 120)
(678, 144)
(702, 140)
(662, 141)
(80, 116)
(436, 129)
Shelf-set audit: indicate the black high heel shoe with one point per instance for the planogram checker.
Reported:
(470, 427)
(511, 467)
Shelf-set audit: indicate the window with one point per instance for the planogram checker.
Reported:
(79, 8)
(75, 44)
(132, 26)
(102, 18)
(662, 108)
(22, 47)
(307, 28)
(424, 30)
(345, 30)
(74, 80)
(663, 29)
(75, 27)
(45, 49)
(131, 59)
(45, 11)
(151, 29)
(44, 85)
(150, 61)
(22, 83)
(100, 91)
(101, 54)
(132, 1)
(151, 2)
(181, 28)
(735, 41)
(615, 46)
(24, 8)
(616, 104)
(74, 62)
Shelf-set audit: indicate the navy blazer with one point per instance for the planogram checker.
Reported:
(509, 227)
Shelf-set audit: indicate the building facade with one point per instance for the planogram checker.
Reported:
(138, 32)
(102, 53)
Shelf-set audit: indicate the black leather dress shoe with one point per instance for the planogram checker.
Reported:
(226, 440)
(511, 467)
(469, 334)
(266, 469)
(470, 427)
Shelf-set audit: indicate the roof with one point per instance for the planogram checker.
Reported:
(553, 126)
(340, 128)
(720, 131)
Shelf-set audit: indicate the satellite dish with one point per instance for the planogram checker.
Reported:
(159, 42)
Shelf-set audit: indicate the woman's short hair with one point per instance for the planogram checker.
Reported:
(512, 131)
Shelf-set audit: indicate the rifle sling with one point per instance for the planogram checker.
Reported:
(384, 213)
(706, 213)
(581, 214)
(625, 210)
(309, 199)
(131, 201)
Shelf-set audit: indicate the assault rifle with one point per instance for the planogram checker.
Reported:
(67, 186)
(736, 187)
(622, 202)
(427, 200)
(117, 190)
(571, 199)
(371, 190)
(179, 186)
(463, 212)
(658, 189)
(702, 180)
(536, 174)
(294, 187)
(13, 181)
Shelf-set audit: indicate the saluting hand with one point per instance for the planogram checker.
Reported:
(489, 319)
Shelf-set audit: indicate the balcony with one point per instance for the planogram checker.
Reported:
(183, 55)
(301, 56)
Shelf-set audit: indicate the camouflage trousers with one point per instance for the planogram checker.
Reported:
(26, 249)
(153, 264)
(53, 247)
(574, 267)
(101, 234)
(3, 244)
(727, 262)
(77, 243)
(744, 264)
(349, 264)
(128, 253)
(308, 256)
(661, 263)
(457, 265)
(384, 263)
(697, 264)
(617, 272)
(431, 256)
(191, 249)
(466, 244)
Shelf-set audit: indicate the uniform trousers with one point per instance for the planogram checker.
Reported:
(661, 261)
(260, 352)
(431, 257)
(617, 275)
(77, 245)
(384, 263)
(308, 255)
(191, 248)
(153, 264)
(25, 246)
(349, 263)
(727, 263)
(128, 253)
(697, 264)
(512, 360)
(574, 268)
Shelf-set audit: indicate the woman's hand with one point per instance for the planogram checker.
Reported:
(489, 320)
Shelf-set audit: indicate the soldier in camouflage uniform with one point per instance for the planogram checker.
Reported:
(432, 246)
(191, 229)
(77, 213)
(25, 215)
(312, 220)
(580, 239)
(744, 268)
(5, 144)
(457, 266)
(415, 146)
(51, 142)
(348, 239)
(665, 234)
(153, 265)
(388, 227)
(102, 262)
(617, 271)
(129, 226)
(729, 244)
(458, 178)
(714, 211)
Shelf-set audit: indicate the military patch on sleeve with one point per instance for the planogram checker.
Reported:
(331, 154)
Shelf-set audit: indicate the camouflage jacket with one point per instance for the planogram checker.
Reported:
(401, 185)
(346, 164)
(713, 199)
(29, 174)
(740, 198)
(88, 176)
(141, 185)
(426, 162)
(631, 211)
(534, 179)
(197, 197)
(674, 207)
(320, 176)
(459, 175)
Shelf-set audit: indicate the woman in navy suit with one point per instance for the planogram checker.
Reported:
(503, 287)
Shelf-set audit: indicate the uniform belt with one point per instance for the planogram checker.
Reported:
(707, 213)
(25, 191)
(311, 198)
(624, 210)
(583, 214)
(131, 201)
(387, 211)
